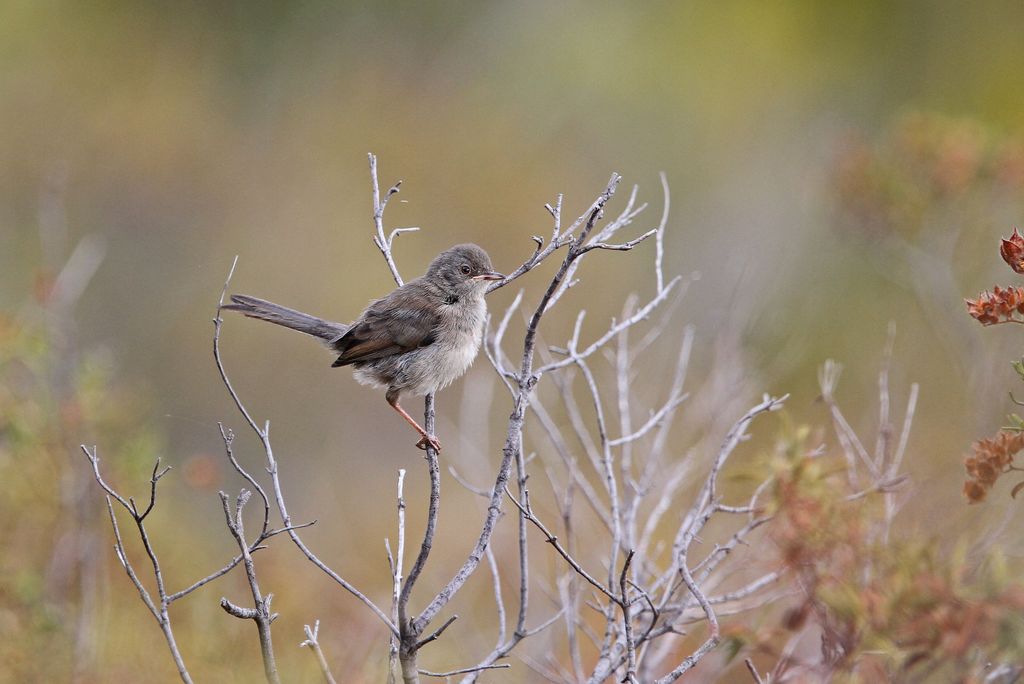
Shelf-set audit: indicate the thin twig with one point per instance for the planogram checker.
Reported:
(527, 380)
(159, 607)
(384, 242)
(753, 671)
(475, 668)
(261, 613)
(713, 636)
(312, 641)
(627, 623)
(263, 433)
(553, 540)
(396, 572)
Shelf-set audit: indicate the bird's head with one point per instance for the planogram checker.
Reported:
(463, 269)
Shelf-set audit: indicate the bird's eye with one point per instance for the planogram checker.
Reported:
(465, 269)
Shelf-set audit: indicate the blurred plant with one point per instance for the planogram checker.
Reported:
(990, 458)
(927, 171)
(881, 608)
(912, 193)
(924, 162)
(646, 595)
(669, 557)
(52, 392)
(885, 611)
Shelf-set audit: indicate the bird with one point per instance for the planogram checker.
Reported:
(416, 340)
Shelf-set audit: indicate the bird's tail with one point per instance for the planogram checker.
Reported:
(328, 331)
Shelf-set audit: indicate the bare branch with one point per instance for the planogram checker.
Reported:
(437, 632)
(828, 378)
(228, 437)
(157, 608)
(396, 571)
(745, 591)
(498, 601)
(652, 422)
(253, 548)
(263, 433)
(384, 242)
(314, 645)
(627, 622)
(553, 540)
(615, 329)
(513, 441)
(432, 511)
(713, 636)
(261, 613)
(660, 239)
(475, 668)
(753, 671)
(622, 247)
(126, 564)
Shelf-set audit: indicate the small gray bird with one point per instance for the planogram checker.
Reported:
(417, 340)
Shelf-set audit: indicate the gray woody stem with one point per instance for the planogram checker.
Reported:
(382, 241)
(157, 608)
(409, 643)
(526, 380)
(412, 629)
(312, 641)
(261, 614)
(264, 436)
(408, 636)
(397, 563)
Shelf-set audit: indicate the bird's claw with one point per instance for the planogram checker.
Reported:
(429, 440)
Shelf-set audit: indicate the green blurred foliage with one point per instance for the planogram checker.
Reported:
(50, 396)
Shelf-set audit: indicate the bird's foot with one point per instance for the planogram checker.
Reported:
(429, 440)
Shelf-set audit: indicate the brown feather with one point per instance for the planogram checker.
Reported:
(395, 324)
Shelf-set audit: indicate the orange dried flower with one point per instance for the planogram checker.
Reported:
(1012, 251)
(989, 459)
(998, 306)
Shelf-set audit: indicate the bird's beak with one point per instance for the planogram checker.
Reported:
(492, 275)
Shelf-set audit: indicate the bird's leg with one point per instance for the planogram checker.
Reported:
(426, 440)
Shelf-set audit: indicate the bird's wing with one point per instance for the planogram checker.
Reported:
(400, 322)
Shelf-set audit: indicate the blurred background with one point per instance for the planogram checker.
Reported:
(833, 167)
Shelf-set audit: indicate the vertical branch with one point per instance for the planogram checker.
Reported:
(524, 558)
(608, 470)
(883, 442)
(382, 241)
(261, 614)
(622, 387)
(409, 632)
(627, 622)
(396, 571)
(312, 641)
(571, 590)
(659, 238)
(526, 381)
(897, 461)
(499, 603)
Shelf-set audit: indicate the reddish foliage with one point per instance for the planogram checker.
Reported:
(886, 609)
(998, 306)
(1012, 251)
(989, 459)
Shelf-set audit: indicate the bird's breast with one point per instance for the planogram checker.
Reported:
(459, 335)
